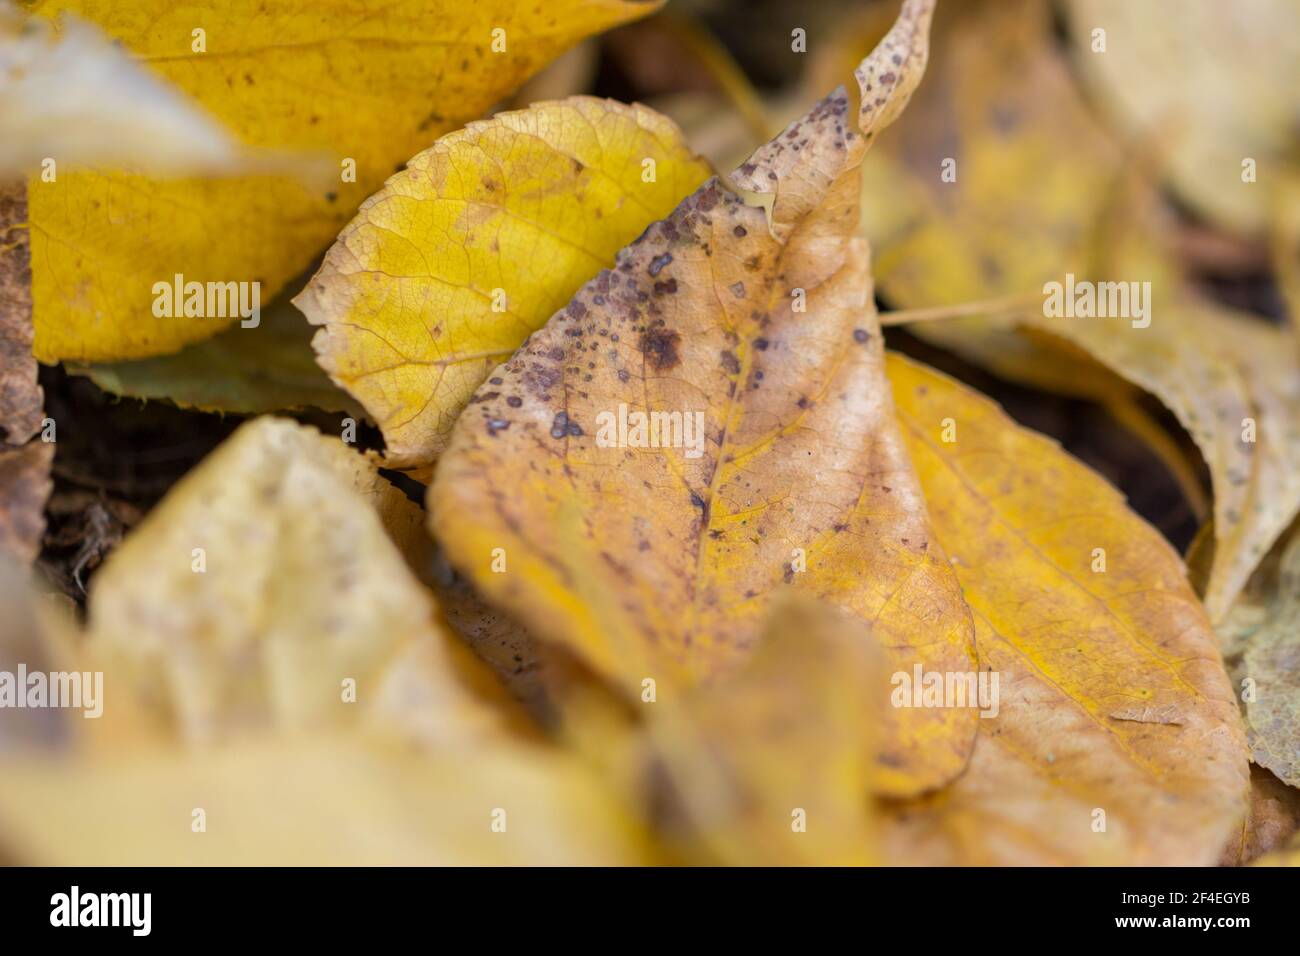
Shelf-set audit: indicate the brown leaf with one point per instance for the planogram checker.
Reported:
(24, 465)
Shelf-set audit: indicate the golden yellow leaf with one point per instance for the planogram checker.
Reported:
(448, 268)
(366, 92)
(1207, 87)
(770, 765)
(659, 559)
(1116, 738)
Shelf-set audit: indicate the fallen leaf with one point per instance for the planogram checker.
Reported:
(367, 91)
(249, 371)
(263, 582)
(661, 562)
(1287, 856)
(25, 462)
(1274, 817)
(319, 801)
(449, 267)
(242, 661)
(76, 98)
(1113, 707)
(1020, 213)
(769, 766)
(20, 394)
(1268, 671)
(25, 486)
(974, 198)
(1209, 86)
(33, 638)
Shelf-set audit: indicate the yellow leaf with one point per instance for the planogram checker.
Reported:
(318, 801)
(366, 91)
(770, 765)
(977, 195)
(1116, 738)
(449, 267)
(659, 558)
(1287, 856)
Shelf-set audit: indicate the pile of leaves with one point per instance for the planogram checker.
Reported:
(430, 596)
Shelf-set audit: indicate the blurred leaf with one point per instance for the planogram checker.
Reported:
(1023, 212)
(244, 659)
(262, 582)
(1207, 86)
(770, 765)
(1274, 817)
(450, 266)
(1262, 635)
(77, 98)
(269, 368)
(25, 463)
(315, 801)
(1014, 207)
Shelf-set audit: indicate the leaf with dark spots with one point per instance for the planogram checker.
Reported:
(679, 446)
(660, 348)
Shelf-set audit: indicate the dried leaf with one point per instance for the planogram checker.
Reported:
(267, 369)
(1114, 708)
(317, 801)
(1208, 86)
(1274, 817)
(25, 482)
(975, 198)
(1020, 213)
(661, 562)
(300, 590)
(1269, 674)
(769, 766)
(20, 395)
(449, 267)
(25, 486)
(1288, 856)
(77, 98)
(262, 583)
(366, 91)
